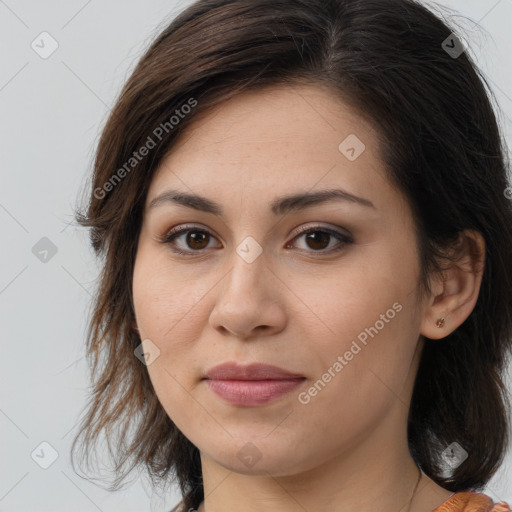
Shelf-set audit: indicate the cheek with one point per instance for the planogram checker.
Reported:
(358, 391)
(366, 316)
(169, 309)
(160, 311)
(165, 300)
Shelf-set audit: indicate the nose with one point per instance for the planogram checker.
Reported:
(249, 300)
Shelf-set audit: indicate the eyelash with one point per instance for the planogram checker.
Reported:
(175, 233)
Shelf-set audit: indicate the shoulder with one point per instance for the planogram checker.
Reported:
(471, 501)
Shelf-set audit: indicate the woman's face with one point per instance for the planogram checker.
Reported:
(337, 308)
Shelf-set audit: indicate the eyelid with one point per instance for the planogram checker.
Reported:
(183, 228)
(302, 229)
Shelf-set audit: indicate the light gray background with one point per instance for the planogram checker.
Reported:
(52, 111)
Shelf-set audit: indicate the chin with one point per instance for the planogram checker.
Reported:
(261, 467)
(261, 457)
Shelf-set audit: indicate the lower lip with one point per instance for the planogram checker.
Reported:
(252, 392)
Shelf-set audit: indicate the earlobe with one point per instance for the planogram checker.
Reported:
(456, 291)
(439, 328)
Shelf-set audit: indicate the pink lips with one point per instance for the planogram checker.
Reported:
(251, 385)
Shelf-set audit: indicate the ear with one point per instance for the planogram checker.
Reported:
(455, 291)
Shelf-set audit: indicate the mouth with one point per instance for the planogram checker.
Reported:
(251, 385)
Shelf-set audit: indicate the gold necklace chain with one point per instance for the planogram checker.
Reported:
(415, 489)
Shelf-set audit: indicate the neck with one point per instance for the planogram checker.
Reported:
(377, 473)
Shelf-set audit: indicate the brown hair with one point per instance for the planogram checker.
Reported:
(441, 146)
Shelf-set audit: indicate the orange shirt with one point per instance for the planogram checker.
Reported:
(472, 502)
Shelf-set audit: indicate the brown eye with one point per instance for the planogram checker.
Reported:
(318, 239)
(196, 240)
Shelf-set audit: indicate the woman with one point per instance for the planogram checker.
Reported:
(306, 297)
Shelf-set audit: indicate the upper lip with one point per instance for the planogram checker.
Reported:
(254, 371)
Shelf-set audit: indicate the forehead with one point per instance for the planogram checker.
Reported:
(270, 135)
(276, 114)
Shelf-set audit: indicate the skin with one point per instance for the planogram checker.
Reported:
(297, 306)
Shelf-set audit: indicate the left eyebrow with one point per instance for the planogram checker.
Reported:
(279, 206)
